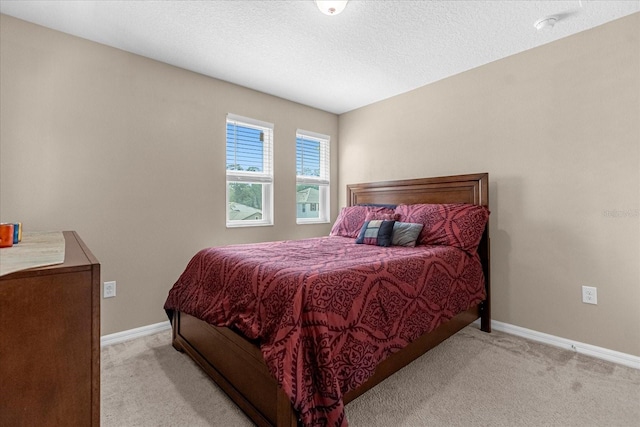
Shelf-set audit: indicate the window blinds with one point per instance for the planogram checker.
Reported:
(312, 158)
(249, 149)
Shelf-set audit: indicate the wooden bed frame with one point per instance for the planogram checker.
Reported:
(236, 364)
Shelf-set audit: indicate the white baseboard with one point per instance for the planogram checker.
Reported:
(579, 347)
(134, 333)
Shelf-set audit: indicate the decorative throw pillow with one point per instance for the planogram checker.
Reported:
(376, 232)
(351, 218)
(459, 225)
(405, 234)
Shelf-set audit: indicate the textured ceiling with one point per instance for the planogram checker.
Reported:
(371, 51)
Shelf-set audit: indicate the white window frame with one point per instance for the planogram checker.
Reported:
(264, 177)
(323, 181)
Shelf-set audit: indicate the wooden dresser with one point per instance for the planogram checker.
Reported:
(50, 342)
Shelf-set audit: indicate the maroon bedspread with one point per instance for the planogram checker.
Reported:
(327, 311)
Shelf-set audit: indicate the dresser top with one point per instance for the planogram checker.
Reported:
(77, 257)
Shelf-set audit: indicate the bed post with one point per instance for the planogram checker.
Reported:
(286, 415)
(485, 307)
(175, 327)
(484, 250)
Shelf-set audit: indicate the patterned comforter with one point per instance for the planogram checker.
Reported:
(325, 310)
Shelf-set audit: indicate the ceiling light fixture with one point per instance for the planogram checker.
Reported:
(331, 7)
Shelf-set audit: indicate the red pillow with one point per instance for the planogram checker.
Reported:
(351, 218)
(458, 225)
(384, 216)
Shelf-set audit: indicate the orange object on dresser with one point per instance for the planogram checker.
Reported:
(6, 235)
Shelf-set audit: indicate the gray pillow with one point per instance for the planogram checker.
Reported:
(405, 233)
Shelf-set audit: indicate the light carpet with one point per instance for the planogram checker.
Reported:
(472, 379)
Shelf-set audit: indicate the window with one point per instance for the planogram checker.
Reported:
(312, 177)
(249, 172)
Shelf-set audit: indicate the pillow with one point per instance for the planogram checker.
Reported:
(376, 232)
(380, 215)
(379, 205)
(405, 234)
(459, 225)
(351, 218)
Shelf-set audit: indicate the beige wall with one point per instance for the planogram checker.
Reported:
(558, 130)
(130, 153)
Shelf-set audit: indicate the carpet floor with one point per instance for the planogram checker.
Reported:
(472, 379)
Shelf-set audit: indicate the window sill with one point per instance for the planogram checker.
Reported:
(261, 224)
(314, 221)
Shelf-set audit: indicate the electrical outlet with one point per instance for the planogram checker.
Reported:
(589, 295)
(109, 289)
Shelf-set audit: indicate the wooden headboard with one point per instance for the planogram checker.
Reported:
(471, 188)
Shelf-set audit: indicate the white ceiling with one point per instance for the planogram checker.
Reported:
(371, 51)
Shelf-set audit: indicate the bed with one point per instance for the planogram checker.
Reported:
(255, 355)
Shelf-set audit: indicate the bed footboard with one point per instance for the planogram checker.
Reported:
(237, 366)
